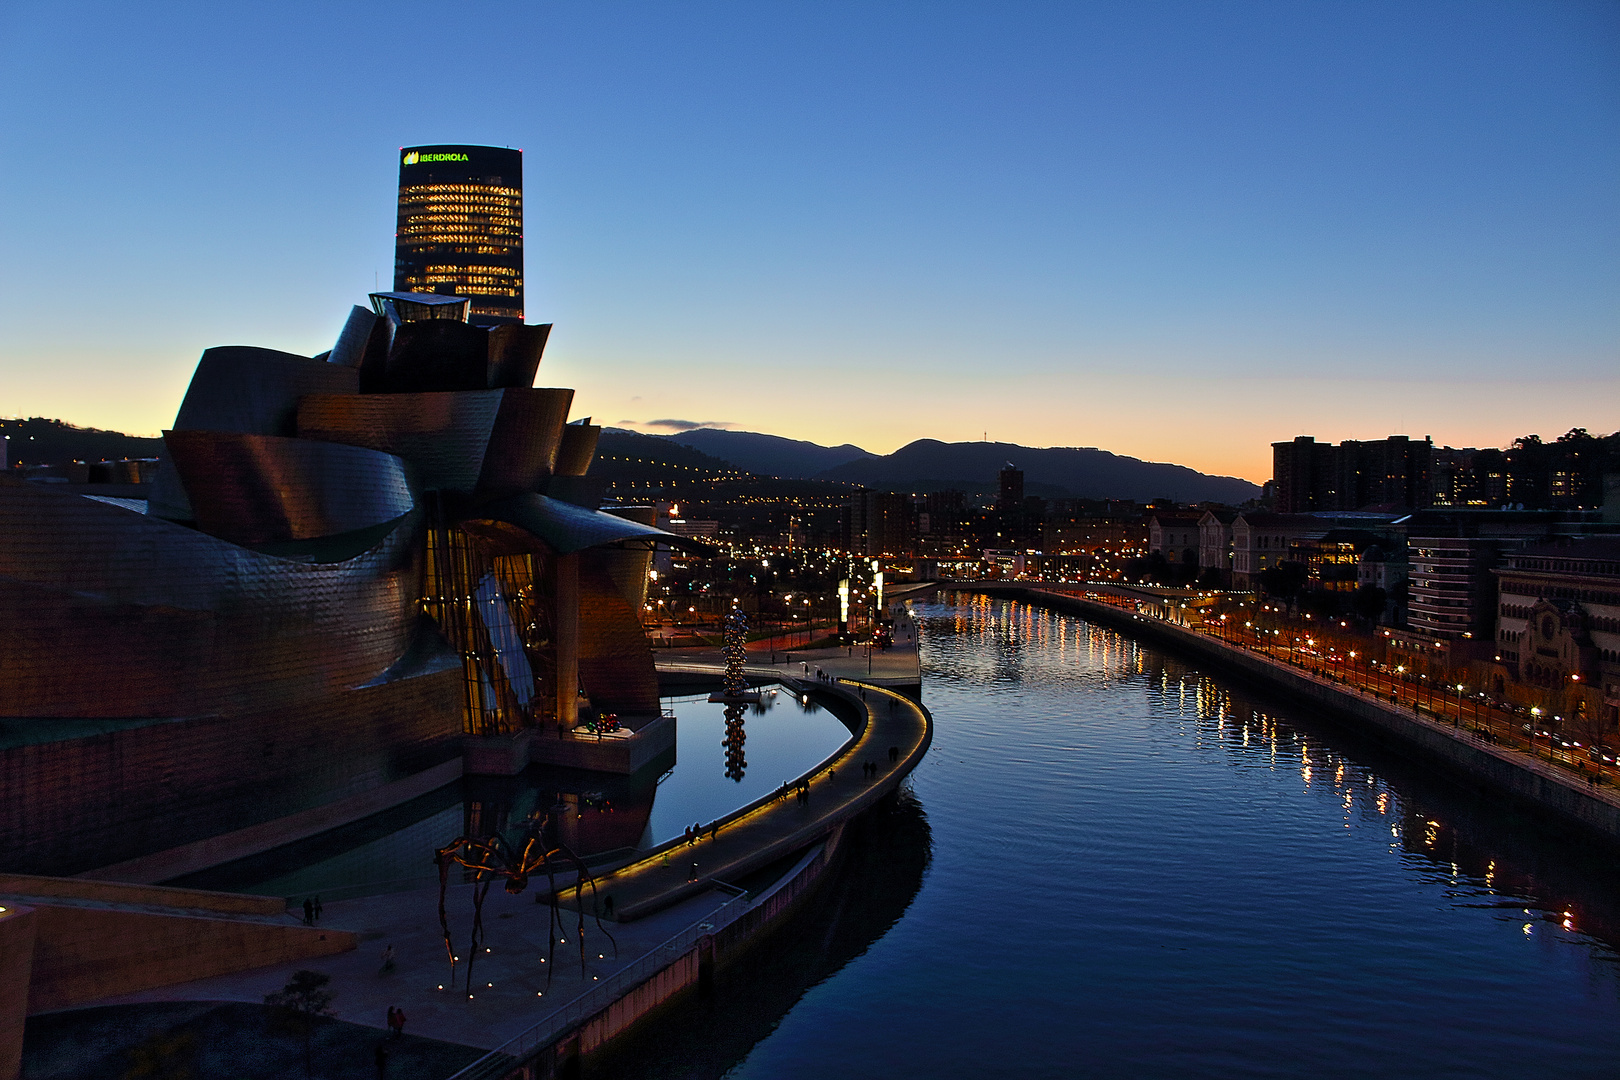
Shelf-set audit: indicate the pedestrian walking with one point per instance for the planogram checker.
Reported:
(399, 1023)
(714, 828)
(387, 959)
(390, 1019)
(309, 912)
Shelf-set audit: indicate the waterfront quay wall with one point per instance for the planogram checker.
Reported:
(695, 968)
(64, 942)
(686, 966)
(1529, 781)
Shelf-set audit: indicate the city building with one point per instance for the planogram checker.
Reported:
(1314, 477)
(1262, 539)
(1384, 566)
(878, 523)
(1558, 619)
(1333, 562)
(1452, 593)
(1085, 536)
(1010, 498)
(1174, 534)
(460, 228)
(1215, 544)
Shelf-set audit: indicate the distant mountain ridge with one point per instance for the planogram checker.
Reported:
(1078, 472)
(770, 455)
(932, 465)
(922, 466)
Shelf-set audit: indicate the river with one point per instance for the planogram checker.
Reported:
(1113, 864)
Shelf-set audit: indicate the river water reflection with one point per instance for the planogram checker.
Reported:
(1140, 870)
(601, 815)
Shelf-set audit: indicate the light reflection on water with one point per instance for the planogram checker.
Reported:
(784, 739)
(599, 812)
(1140, 870)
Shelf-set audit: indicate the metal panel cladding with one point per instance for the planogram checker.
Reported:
(260, 489)
(460, 230)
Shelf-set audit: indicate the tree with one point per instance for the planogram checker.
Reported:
(295, 1006)
(1322, 601)
(1283, 580)
(1369, 602)
(1592, 729)
(165, 1056)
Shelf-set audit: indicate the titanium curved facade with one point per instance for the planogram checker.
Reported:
(337, 577)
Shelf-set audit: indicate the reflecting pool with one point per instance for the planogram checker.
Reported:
(602, 816)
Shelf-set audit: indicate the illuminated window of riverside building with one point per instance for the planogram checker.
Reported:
(460, 227)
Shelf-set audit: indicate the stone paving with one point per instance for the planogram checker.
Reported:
(515, 936)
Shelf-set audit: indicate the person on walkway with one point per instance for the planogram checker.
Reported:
(309, 912)
(387, 960)
(391, 1011)
(399, 1023)
(714, 828)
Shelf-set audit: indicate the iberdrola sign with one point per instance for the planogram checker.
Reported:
(414, 158)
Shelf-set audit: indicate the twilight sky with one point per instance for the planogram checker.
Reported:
(1173, 230)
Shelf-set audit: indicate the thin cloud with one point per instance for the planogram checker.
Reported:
(685, 425)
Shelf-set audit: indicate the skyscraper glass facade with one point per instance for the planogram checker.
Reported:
(460, 230)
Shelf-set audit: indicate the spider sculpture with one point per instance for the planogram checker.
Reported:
(493, 857)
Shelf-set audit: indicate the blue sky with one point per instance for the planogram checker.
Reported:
(1178, 231)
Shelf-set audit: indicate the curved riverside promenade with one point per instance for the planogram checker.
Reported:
(893, 737)
(671, 933)
(1465, 754)
(678, 874)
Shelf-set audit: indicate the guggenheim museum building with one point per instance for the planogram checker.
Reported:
(350, 568)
